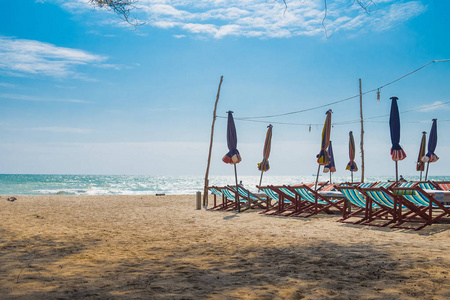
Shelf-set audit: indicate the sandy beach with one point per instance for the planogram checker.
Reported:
(150, 247)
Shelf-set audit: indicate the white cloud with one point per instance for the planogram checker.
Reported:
(259, 18)
(25, 57)
(435, 106)
(63, 130)
(39, 99)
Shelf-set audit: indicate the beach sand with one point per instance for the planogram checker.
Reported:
(149, 247)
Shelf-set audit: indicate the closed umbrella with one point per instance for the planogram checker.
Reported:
(397, 152)
(331, 167)
(264, 165)
(323, 158)
(232, 157)
(420, 166)
(351, 153)
(432, 142)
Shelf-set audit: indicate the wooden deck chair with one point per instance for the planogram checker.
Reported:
(385, 184)
(272, 198)
(433, 208)
(321, 203)
(228, 201)
(427, 185)
(289, 203)
(354, 198)
(253, 200)
(399, 211)
(216, 192)
(443, 185)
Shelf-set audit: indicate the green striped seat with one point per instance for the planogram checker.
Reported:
(306, 195)
(356, 198)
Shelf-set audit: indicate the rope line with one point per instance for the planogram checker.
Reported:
(346, 99)
(348, 121)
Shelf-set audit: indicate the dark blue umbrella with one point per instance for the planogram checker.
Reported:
(397, 152)
(233, 157)
(331, 167)
(432, 142)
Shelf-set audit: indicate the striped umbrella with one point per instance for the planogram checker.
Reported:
(420, 166)
(232, 157)
(323, 158)
(331, 167)
(264, 165)
(397, 152)
(351, 153)
(432, 142)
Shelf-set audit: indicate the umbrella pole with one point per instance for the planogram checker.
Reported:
(238, 203)
(330, 177)
(352, 175)
(260, 180)
(420, 175)
(315, 189)
(426, 173)
(396, 172)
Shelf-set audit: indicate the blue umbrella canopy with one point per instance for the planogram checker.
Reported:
(432, 142)
(397, 152)
(331, 166)
(233, 156)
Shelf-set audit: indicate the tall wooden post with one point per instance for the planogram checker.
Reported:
(205, 191)
(362, 131)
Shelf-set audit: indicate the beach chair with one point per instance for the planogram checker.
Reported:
(319, 202)
(217, 192)
(272, 198)
(398, 211)
(355, 199)
(288, 203)
(427, 203)
(427, 185)
(253, 200)
(443, 185)
(235, 202)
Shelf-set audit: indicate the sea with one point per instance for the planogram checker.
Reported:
(22, 184)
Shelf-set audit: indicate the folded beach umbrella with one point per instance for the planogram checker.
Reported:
(331, 168)
(351, 166)
(397, 152)
(264, 165)
(232, 157)
(323, 158)
(432, 142)
(420, 166)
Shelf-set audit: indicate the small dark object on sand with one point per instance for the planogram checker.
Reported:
(160, 194)
(12, 199)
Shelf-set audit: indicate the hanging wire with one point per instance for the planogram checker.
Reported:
(366, 119)
(349, 98)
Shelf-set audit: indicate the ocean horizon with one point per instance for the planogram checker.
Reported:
(42, 184)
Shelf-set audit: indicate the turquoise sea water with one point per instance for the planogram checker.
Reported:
(144, 185)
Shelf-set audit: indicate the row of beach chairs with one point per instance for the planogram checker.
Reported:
(411, 205)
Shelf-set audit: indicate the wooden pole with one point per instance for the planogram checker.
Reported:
(205, 191)
(362, 131)
(260, 180)
(238, 203)
(315, 189)
(396, 172)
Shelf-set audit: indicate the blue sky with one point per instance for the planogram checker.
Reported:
(83, 92)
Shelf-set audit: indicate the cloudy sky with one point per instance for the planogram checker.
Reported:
(84, 92)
